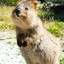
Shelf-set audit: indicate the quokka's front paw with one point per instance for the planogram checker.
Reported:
(24, 43)
(21, 43)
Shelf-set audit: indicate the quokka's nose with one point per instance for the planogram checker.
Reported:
(17, 11)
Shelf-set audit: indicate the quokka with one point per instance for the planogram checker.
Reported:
(37, 45)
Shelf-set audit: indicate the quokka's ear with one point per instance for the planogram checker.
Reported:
(35, 3)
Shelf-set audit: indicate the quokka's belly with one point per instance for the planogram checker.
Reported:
(39, 57)
(30, 57)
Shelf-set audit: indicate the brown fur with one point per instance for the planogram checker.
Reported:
(37, 45)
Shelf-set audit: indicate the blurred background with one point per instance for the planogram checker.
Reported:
(51, 13)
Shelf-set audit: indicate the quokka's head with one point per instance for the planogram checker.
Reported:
(24, 15)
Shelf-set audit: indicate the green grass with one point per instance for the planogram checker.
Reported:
(62, 61)
(55, 27)
(5, 17)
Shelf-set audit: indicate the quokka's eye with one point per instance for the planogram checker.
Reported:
(26, 8)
